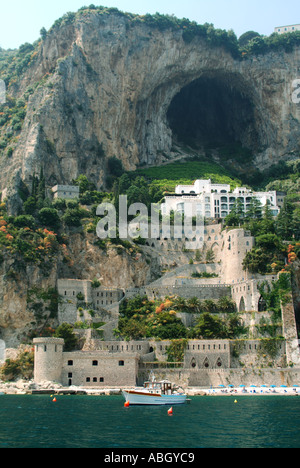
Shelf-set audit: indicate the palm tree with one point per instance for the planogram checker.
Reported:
(180, 304)
(225, 304)
(208, 305)
(194, 304)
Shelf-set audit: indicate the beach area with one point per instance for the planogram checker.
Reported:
(252, 390)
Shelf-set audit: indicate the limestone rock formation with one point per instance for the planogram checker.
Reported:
(113, 86)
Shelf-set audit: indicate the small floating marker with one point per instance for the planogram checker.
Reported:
(235, 401)
(54, 400)
(170, 412)
(126, 405)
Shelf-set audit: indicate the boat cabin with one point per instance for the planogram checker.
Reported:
(164, 387)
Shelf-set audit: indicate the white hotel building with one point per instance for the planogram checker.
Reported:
(216, 200)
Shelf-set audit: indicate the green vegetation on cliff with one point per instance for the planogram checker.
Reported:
(141, 317)
(178, 173)
(190, 30)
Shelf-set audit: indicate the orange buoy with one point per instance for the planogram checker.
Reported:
(127, 404)
(170, 411)
(54, 400)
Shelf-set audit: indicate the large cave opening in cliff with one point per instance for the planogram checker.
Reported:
(214, 112)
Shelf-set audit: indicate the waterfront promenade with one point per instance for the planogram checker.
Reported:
(22, 387)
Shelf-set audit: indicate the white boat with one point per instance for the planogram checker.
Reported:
(155, 393)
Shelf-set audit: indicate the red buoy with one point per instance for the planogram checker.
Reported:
(127, 404)
(170, 411)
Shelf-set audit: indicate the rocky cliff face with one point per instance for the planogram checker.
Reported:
(111, 86)
(28, 294)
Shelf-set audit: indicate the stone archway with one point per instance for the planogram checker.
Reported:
(262, 305)
(242, 305)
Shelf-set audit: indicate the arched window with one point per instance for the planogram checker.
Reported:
(193, 363)
(219, 362)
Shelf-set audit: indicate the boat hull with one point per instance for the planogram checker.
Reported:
(140, 398)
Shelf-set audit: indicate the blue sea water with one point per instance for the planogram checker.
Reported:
(28, 421)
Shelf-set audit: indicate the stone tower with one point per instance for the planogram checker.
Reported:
(236, 244)
(48, 359)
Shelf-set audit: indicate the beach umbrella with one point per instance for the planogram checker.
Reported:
(221, 385)
(242, 385)
(263, 385)
(283, 386)
(231, 386)
(295, 385)
(253, 386)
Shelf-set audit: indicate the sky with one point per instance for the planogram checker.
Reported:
(22, 20)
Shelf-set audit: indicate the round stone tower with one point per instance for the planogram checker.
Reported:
(48, 359)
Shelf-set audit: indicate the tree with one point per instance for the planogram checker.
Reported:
(180, 304)
(208, 327)
(256, 261)
(25, 221)
(209, 305)
(115, 166)
(198, 256)
(210, 256)
(288, 221)
(194, 304)
(30, 205)
(84, 184)
(245, 38)
(236, 216)
(165, 326)
(255, 209)
(43, 33)
(49, 217)
(269, 242)
(257, 45)
(66, 332)
(267, 224)
(131, 329)
(226, 304)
